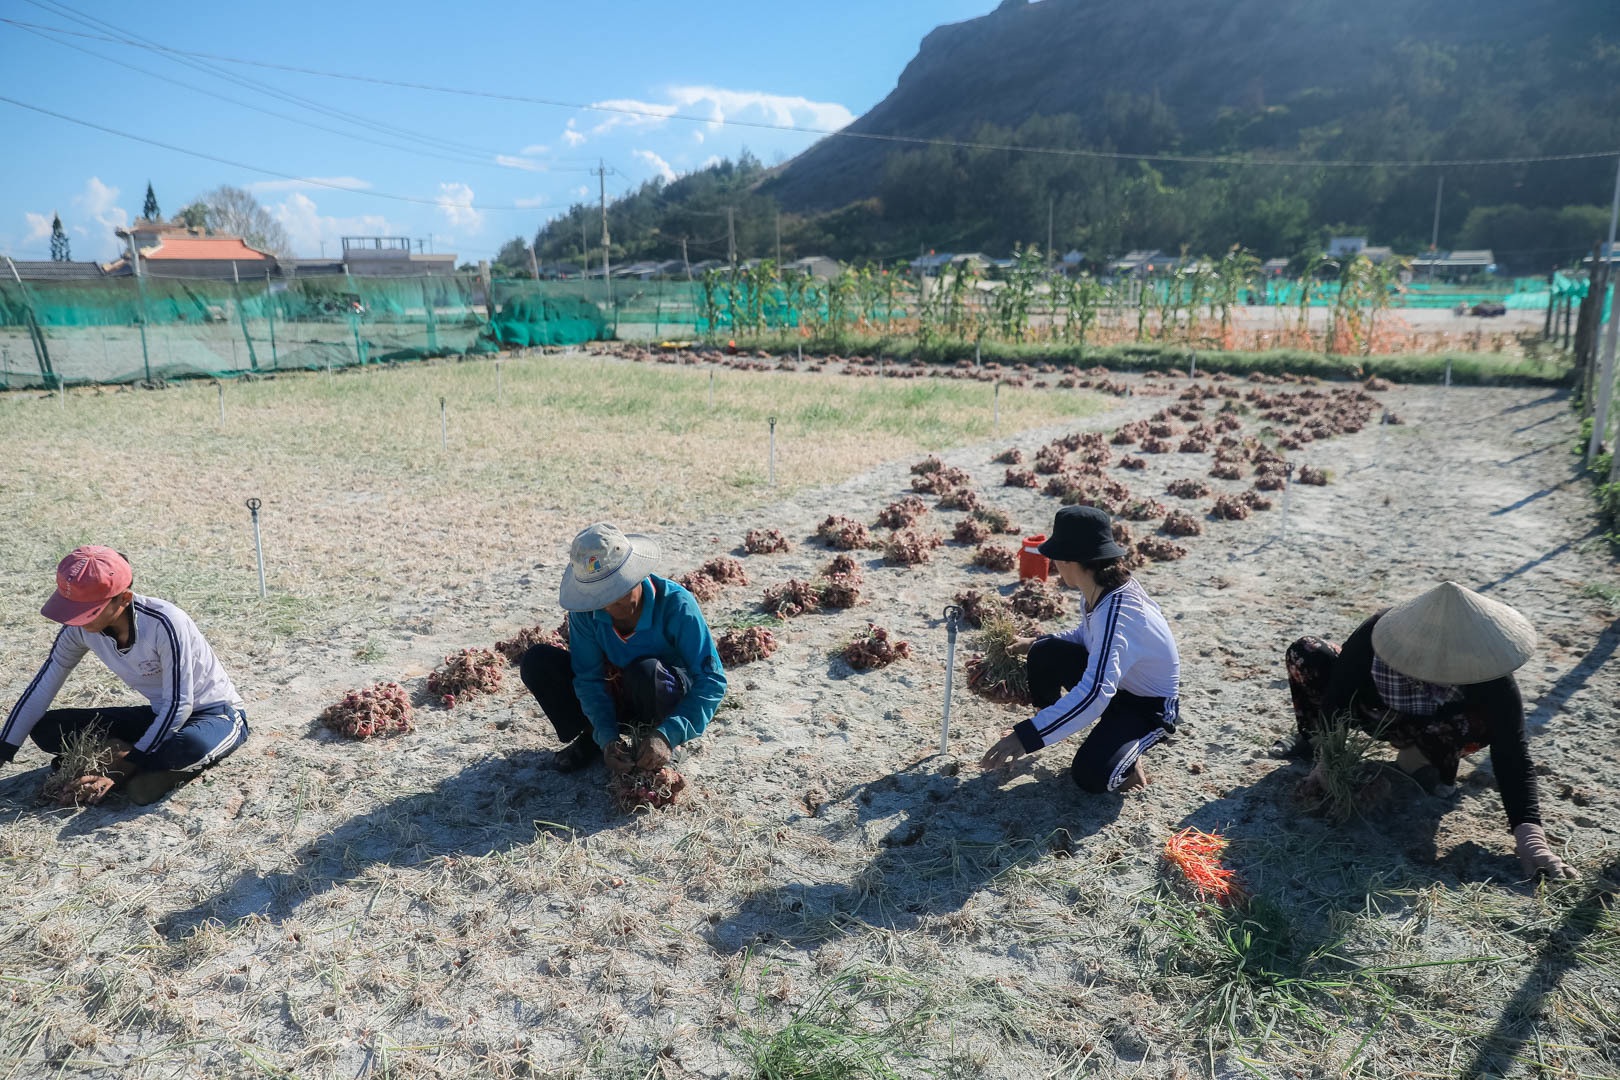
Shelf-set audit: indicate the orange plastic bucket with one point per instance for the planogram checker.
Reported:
(1032, 565)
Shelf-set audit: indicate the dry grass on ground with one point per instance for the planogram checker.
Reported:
(361, 503)
(834, 899)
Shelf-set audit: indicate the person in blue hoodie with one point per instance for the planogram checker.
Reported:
(639, 657)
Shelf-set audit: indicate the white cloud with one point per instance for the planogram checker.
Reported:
(719, 105)
(529, 201)
(582, 191)
(660, 166)
(100, 204)
(345, 183)
(697, 135)
(307, 227)
(39, 227)
(535, 150)
(711, 161)
(523, 163)
(456, 204)
(572, 137)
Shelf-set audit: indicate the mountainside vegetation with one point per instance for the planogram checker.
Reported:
(1082, 86)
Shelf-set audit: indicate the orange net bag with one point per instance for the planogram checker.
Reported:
(1197, 855)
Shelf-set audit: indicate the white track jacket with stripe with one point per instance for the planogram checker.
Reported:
(169, 663)
(1129, 648)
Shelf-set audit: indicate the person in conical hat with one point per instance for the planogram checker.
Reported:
(1434, 678)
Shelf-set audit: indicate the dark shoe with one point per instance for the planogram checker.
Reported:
(1291, 748)
(579, 754)
(146, 788)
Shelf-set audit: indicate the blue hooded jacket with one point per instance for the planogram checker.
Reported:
(672, 629)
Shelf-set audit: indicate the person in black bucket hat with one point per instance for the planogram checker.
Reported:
(1117, 673)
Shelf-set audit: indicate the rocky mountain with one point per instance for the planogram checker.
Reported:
(1375, 78)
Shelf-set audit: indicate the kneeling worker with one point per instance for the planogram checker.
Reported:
(1117, 673)
(195, 716)
(639, 657)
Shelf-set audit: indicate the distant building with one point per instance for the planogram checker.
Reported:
(1274, 267)
(391, 256)
(1454, 265)
(180, 251)
(50, 270)
(931, 264)
(1142, 262)
(817, 266)
(1343, 247)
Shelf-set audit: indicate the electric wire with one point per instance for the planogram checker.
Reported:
(311, 181)
(911, 140)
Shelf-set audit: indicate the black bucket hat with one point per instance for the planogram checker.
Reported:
(1082, 534)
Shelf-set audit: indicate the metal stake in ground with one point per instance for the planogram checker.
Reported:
(1288, 491)
(258, 544)
(773, 452)
(1192, 366)
(220, 387)
(444, 428)
(953, 622)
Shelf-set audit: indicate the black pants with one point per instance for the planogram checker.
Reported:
(646, 691)
(209, 734)
(1128, 726)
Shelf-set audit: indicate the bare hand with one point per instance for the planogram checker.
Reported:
(1020, 646)
(655, 753)
(86, 791)
(1002, 755)
(1536, 855)
(616, 756)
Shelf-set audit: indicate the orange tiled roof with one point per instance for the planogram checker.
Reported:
(228, 248)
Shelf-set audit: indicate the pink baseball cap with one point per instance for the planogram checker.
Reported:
(86, 582)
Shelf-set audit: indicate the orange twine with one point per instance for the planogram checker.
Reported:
(1197, 855)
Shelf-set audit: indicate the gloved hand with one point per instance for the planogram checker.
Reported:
(1536, 855)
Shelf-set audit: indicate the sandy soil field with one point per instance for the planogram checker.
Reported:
(833, 888)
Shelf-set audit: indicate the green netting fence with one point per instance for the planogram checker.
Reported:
(128, 330)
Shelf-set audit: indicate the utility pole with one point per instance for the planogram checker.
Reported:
(601, 175)
(686, 260)
(534, 263)
(731, 237)
(584, 249)
(1434, 236)
(779, 239)
(1051, 205)
(1600, 425)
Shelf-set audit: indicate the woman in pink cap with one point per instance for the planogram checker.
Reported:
(194, 716)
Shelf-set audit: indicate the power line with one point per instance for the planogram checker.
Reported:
(134, 40)
(313, 182)
(480, 161)
(844, 133)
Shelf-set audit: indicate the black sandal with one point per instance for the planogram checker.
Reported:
(579, 754)
(1291, 748)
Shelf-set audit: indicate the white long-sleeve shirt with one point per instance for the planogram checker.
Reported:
(1129, 647)
(168, 662)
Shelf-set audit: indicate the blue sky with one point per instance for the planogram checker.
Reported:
(480, 171)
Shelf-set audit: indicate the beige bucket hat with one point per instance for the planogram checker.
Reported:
(1453, 636)
(603, 565)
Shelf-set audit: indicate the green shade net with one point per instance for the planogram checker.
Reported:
(127, 329)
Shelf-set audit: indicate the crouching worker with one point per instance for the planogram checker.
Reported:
(640, 675)
(194, 718)
(1434, 678)
(1116, 673)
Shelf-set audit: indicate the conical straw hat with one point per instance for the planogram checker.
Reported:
(1453, 636)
